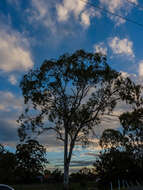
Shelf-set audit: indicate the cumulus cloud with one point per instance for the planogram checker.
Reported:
(14, 52)
(124, 74)
(9, 102)
(86, 16)
(100, 48)
(41, 12)
(12, 79)
(69, 6)
(122, 46)
(76, 8)
(140, 70)
(41, 9)
(85, 19)
(121, 7)
(112, 5)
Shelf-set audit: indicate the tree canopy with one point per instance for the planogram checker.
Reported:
(70, 95)
(31, 158)
(111, 138)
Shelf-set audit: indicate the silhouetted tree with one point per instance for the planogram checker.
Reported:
(1, 149)
(122, 154)
(31, 159)
(132, 123)
(111, 138)
(70, 96)
(57, 175)
(114, 164)
(8, 165)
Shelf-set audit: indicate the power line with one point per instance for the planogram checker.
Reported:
(111, 13)
(134, 4)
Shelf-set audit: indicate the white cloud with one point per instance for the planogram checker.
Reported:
(85, 19)
(122, 46)
(9, 102)
(130, 75)
(125, 74)
(41, 9)
(112, 5)
(100, 48)
(140, 70)
(134, 1)
(86, 15)
(42, 12)
(12, 79)
(77, 8)
(120, 7)
(68, 7)
(62, 13)
(14, 52)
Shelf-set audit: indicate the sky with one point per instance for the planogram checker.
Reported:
(32, 31)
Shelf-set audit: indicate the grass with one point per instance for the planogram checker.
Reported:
(57, 186)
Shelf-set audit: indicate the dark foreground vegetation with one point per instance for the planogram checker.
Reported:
(119, 164)
(55, 186)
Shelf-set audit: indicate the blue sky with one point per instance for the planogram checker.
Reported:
(32, 31)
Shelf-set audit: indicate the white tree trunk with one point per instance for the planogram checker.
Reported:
(66, 176)
(66, 162)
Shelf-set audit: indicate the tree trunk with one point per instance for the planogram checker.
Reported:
(66, 176)
(66, 162)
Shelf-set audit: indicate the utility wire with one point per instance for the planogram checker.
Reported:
(111, 13)
(134, 4)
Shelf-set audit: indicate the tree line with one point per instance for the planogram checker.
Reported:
(24, 165)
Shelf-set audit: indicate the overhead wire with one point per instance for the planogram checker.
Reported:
(135, 4)
(111, 13)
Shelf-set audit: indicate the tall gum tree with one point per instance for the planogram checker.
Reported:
(70, 95)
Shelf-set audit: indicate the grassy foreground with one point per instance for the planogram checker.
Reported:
(76, 186)
(57, 186)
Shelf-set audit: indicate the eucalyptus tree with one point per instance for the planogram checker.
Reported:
(70, 95)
